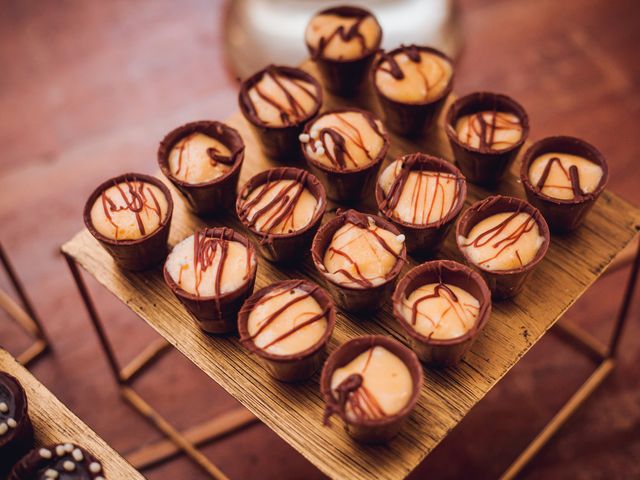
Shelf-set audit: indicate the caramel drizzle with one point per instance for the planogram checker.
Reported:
(572, 175)
(136, 202)
(501, 244)
(346, 35)
(339, 137)
(282, 310)
(454, 306)
(406, 165)
(212, 152)
(281, 207)
(413, 54)
(486, 131)
(294, 110)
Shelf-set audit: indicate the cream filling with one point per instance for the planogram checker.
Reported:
(558, 182)
(426, 197)
(362, 142)
(190, 161)
(422, 81)
(356, 257)
(129, 210)
(279, 100)
(386, 384)
(276, 200)
(434, 312)
(504, 241)
(324, 26)
(275, 337)
(193, 279)
(488, 129)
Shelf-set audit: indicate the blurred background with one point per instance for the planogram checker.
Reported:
(88, 89)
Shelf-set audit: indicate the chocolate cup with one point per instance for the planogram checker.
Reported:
(424, 240)
(214, 196)
(345, 77)
(16, 441)
(411, 119)
(370, 430)
(141, 253)
(33, 463)
(278, 142)
(350, 298)
(346, 185)
(479, 166)
(285, 247)
(434, 351)
(298, 366)
(563, 215)
(205, 309)
(503, 283)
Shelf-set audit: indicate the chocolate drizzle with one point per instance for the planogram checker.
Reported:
(344, 34)
(486, 131)
(212, 152)
(572, 175)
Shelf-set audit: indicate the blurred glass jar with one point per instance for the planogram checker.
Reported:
(260, 32)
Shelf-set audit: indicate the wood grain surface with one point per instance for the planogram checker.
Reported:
(294, 412)
(54, 423)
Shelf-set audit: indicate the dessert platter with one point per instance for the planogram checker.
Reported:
(41, 439)
(353, 248)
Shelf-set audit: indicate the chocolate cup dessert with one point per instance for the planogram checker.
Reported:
(344, 77)
(67, 460)
(284, 247)
(439, 351)
(563, 215)
(134, 254)
(484, 166)
(217, 313)
(301, 365)
(213, 196)
(369, 430)
(349, 298)
(351, 185)
(411, 119)
(16, 430)
(502, 283)
(278, 141)
(423, 239)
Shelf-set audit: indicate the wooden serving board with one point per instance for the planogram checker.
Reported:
(294, 412)
(53, 423)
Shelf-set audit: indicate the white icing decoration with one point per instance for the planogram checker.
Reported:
(60, 450)
(304, 137)
(12, 422)
(68, 447)
(69, 466)
(4, 408)
(3, 428)
(44, 453)
(95, 467)
(77, 455)
(401, 238)
(51, 473)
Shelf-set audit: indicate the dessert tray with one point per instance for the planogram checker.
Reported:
(295, 412)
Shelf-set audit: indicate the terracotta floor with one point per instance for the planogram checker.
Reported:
(88, 88)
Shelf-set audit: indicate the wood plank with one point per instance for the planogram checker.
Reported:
(572, 264)
(55, 423)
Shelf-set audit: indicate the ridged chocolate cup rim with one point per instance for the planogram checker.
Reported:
(492, 206)
(222, 132)
(332, 170)
(567, 145)
(382, 58)
(245, 86)
(20, 400)
(427, 163)
(228, 234)
(347, 11)
(120, 179)
(350, 350)
(314, 186)
(325, 234)
(33, 462)
(442, 271)
(479, 101)
(319, 295)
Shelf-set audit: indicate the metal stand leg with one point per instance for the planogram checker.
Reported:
(604, 356)
(24, 315)
(187, 441)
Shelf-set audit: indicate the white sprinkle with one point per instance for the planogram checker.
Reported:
(44, 453)
(99, 478)
(3, 428)
(320, 151)
(400, 238)
(318, 144)
(51, 473)
(69, 466)
(68, 447)
(313, 134)
(95, 467)
(371, 221)
(4, 408)
(12, 422)
(304, 137)
(77, 455)
(60, 450)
